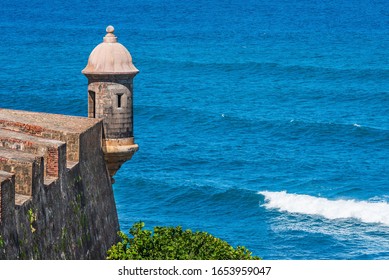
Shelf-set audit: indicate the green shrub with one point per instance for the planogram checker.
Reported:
(169, 243)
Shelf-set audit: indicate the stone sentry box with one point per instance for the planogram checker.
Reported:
(110, 74)
(110, 98)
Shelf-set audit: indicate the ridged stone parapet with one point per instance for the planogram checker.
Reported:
(56, 198)
(49, 126)
(51, 150)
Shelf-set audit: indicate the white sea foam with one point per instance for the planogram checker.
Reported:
(368, 212)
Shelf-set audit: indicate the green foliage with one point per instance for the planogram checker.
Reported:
(1, 242)
(169, 243)
(78, 179)
(32, 220)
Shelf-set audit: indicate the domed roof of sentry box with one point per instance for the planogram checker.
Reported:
(110, 57)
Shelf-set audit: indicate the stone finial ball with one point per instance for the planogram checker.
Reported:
(110, 29)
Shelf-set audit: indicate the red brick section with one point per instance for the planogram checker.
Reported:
(27, 137)
(42, 122)
(52, 162)
(51, 126)
(35, 145)
(30, 129)
(25, 167)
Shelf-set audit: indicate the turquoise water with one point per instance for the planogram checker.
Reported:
(265, 123)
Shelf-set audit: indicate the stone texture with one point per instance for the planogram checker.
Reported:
(56, 197)
(110, 74)
(74, 215)
(48, 148)
(50, 126)
(8, 233)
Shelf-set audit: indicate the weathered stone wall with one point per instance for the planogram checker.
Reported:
(48, 148)
(25, 166)
(68, 216)
(8, 236)
(1, 200)
(110, 98)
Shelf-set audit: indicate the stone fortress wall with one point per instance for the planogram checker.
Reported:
(56, 194)
(56, 197)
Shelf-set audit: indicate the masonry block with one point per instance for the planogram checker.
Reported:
(25, 166)
(51, 150)
(50, 126)
(7, 194)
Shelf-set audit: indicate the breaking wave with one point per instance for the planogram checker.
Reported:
(367, 212)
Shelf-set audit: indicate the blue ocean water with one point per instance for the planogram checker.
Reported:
(265, 123)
